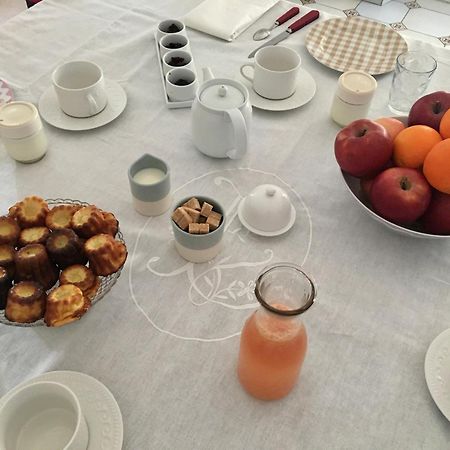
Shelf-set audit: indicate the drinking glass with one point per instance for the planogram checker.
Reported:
(412, 74)
(274, 341)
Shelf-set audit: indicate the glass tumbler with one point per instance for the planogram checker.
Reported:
(274, 341)
(412, 74)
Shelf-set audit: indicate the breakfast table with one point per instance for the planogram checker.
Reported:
(165, 339)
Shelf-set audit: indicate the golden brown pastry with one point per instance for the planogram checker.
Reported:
(61, 216)
(5, 285)
(105, 254)
(30, 212)
(88, 221)
(25, 302)
(82, 277)
(35, 235)
(9, 230)
(65, 304)
(111, 224)
(7, 253)
(33, 264)
(65, 248)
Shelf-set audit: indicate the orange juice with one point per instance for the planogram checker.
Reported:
(271, 354)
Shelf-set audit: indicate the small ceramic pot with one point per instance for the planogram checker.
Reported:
(199, 248)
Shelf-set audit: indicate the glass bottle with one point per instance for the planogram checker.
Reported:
(274, 340)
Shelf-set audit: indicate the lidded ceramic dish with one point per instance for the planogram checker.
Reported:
(267, 211)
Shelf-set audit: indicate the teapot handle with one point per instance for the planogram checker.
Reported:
(240, 133)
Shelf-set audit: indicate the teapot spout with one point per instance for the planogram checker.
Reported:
(207, 74)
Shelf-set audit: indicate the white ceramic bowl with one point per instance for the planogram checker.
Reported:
(267, 211)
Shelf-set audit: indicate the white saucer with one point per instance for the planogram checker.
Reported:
(305, 91)
(266, 233)
(437, 372)
(53, 114)
(99, 407)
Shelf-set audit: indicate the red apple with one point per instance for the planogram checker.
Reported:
(393, 126)
(429, 109)
(362, 148)
(366, 186)
(436, 219)
(400, 195)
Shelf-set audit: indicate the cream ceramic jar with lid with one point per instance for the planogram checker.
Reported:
(21, 132)
(353, 96)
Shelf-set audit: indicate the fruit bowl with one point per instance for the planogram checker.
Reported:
(106, 283)
(353, 185)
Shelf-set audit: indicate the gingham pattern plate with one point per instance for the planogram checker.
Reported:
(6, 94)
(355, 43)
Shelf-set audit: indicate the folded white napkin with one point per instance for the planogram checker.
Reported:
(226, 19)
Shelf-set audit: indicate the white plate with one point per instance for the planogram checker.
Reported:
(53, 114)
(437, 372)
(306, 89)
(266, 233)
(100, 409)
(6, 94)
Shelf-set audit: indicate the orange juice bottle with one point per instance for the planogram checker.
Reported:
(273, 340)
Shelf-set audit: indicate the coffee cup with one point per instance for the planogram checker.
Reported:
(171, 27)
(43, 414)
(173, 42)
(174, 59)
(149, 179)
(181, 85)
(275, 72)
(80, 88)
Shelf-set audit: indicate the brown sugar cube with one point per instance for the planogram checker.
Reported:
(194, 228)
(193, 203)
(181, 218)
(213, 220)
(203, 228)
(193, 213)
(206, 209)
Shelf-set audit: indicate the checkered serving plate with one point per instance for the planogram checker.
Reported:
(354, 43)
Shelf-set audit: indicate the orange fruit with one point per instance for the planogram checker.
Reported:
(444, 125)
(412, 145)
(436, 167)
(392, 126)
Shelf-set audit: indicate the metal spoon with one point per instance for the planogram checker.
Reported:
(263, 33)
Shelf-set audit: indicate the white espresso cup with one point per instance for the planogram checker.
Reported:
(181, 85)
(80, 88)
(171, 42)
(275, 72)
(171, 27)
(42, 415)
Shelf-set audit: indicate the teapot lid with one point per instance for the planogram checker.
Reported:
(222, 96)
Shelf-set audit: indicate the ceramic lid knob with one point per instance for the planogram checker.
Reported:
(219, 95)
(270, 191)
(223, 91)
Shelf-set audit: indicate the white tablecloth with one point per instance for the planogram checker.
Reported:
(165, 340)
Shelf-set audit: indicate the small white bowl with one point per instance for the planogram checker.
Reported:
(267, 211)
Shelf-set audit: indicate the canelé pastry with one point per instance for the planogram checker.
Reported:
(82, 277)
(65, 248)
(5, 285)
(65, 304)
(25, 302)
(33, 264)
(60, 216)
(35, 235)
(88, 221)
(30, 212)
(111, 224)
(7, 253)
(9, 230)
(105, 254)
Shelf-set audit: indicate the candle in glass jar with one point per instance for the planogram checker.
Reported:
(151, 175)
(353, 96)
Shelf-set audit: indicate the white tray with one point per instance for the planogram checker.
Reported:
(170, 104)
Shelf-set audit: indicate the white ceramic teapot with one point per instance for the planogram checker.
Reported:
(221, 115)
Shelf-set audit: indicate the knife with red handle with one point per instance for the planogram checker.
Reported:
(297, 25)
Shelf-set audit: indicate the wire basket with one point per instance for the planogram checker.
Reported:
(106, 283)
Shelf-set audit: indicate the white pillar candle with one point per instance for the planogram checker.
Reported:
(353, 96)
(150, 175)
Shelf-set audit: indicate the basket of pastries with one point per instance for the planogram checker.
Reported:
(58, 257)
